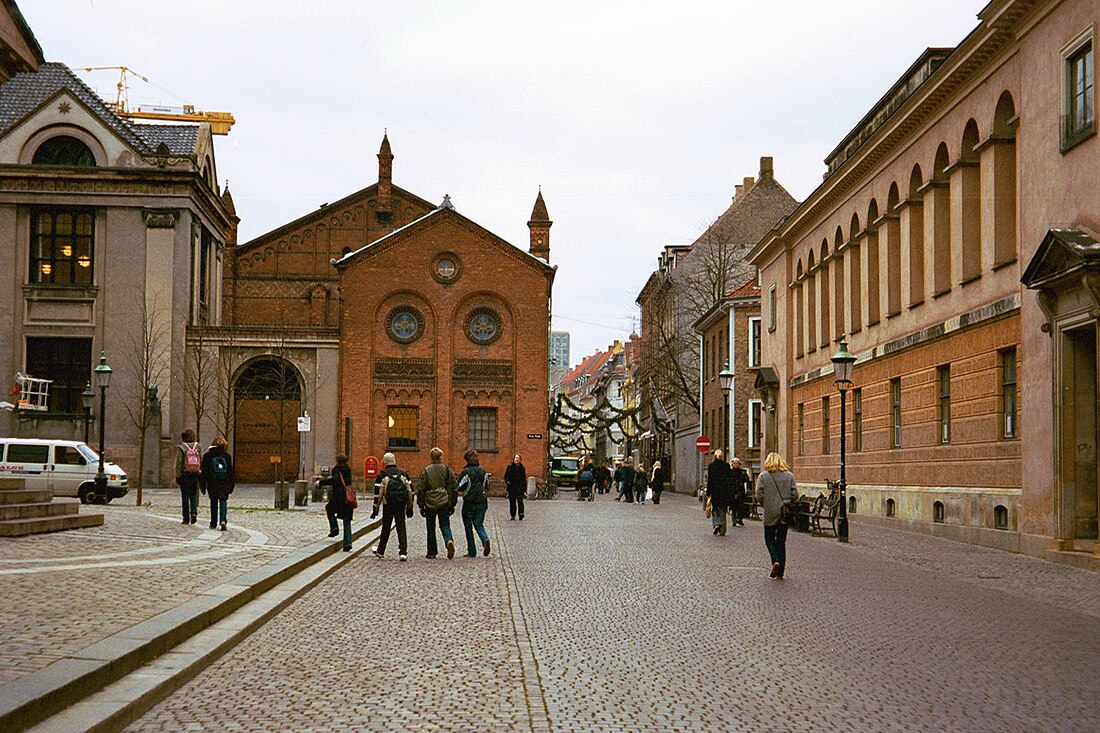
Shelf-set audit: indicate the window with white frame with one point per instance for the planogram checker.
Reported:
(754, 341)
(756, 423)
(1078, 90)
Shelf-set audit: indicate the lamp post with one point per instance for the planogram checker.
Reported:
(842, 370)
(102, 381)
(88, 398)
(725, 382)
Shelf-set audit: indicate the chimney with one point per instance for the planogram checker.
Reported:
(748, 183)
(766, 171)
(737, 191)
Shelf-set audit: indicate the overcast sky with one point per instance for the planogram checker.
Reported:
(636, 118)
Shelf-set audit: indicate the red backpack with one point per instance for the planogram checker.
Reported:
(192, 458)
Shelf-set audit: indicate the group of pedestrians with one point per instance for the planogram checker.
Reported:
(435, 492)
(727, 487)
(209, 471)
(634, 485)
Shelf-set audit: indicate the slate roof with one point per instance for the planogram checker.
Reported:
(25, 92)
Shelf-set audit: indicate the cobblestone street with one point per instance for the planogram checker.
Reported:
(612, 617)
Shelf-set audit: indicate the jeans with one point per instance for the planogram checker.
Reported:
(189, 496)
(775, 537)
(393, 514)
(515, 501)
(347, 528)
(218, 508)
(473, 518)
(718, 516)
(444, 518)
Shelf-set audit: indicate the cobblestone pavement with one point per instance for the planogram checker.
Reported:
(612, 617)
(63, 591)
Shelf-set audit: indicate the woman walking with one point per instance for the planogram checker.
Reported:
(475, 502)
(657, 482)
(719, 488)
(775, 487)
(338, 506)
(216, 479)
(515, 478)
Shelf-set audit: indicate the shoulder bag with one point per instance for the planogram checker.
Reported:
(786, 511)
(349, 493)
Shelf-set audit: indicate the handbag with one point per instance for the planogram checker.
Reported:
(786, 511)
(349, 493)
(707, 509)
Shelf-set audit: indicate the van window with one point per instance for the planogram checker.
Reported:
(88, 453)
(20, 453)
(68, 455)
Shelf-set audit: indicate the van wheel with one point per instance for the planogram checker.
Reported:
(86, 492)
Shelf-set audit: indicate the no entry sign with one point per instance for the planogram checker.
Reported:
(370, 467)
(702, 444)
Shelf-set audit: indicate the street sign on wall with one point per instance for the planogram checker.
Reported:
(702, 444)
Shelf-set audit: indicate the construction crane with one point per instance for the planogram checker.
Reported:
(220, 122)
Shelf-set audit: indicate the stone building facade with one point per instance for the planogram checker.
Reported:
(113, 232)
(730, 337)
(687, 284)
(973, 168)
(396, 325)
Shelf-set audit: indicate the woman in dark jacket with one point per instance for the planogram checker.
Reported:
(719, 490)
(338, 507)
(217, 480)
(657, 482)
(515, 477)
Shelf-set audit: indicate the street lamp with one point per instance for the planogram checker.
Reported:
(842, 370)
(102, 381)
(88, 398)
(725, 378)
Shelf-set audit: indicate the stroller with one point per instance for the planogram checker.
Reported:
(585, 481)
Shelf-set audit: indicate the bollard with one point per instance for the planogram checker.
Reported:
(301, 493)
(532, 487)
(282, 495)
(318, 490)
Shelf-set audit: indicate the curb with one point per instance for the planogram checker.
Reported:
(69, 680)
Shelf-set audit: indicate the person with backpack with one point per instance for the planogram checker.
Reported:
(393, 490)
(338, 506)
(475, 502)
(188, 470)
(216, 479)
(437, 495)
(515, 478)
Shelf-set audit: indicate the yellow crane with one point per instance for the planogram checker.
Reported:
(220, 122)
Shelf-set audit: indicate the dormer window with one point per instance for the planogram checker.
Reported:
(64, 150)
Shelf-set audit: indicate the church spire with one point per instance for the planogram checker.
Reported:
(385, 172)
(539, 225)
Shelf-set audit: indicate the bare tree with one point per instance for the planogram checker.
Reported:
(200, 374)
(146, 363)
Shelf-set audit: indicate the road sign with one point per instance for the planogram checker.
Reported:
(702, 444)
(370, 467)
(534, 436)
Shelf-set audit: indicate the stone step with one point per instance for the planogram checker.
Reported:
(21, 527)
(38, 509)
(24, 496)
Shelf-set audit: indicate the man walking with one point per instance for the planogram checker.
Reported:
(437, 495)
(515, 478)
(626, 488)
(618, 478)
(391, 490)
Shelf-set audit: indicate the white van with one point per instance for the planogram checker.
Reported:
(65, 467)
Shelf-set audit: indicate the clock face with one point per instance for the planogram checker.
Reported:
(483, 326)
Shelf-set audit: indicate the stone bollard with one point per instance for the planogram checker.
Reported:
(282, 495)
(532, 487)
(301, 493)
(318, 493)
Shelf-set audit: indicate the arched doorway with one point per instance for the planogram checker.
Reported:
(268, 401)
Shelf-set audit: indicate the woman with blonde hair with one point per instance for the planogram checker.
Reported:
(775, 487)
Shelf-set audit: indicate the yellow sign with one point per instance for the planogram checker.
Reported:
(275, 459)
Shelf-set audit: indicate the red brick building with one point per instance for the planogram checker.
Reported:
(396, 325)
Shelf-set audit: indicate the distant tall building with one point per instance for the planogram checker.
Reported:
(559, 356)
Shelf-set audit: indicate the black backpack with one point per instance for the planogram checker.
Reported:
(396, 490)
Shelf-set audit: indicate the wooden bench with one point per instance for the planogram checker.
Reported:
(823, 517)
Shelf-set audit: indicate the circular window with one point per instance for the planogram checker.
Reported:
(404, 325)
(483, 326)
(445, 267)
